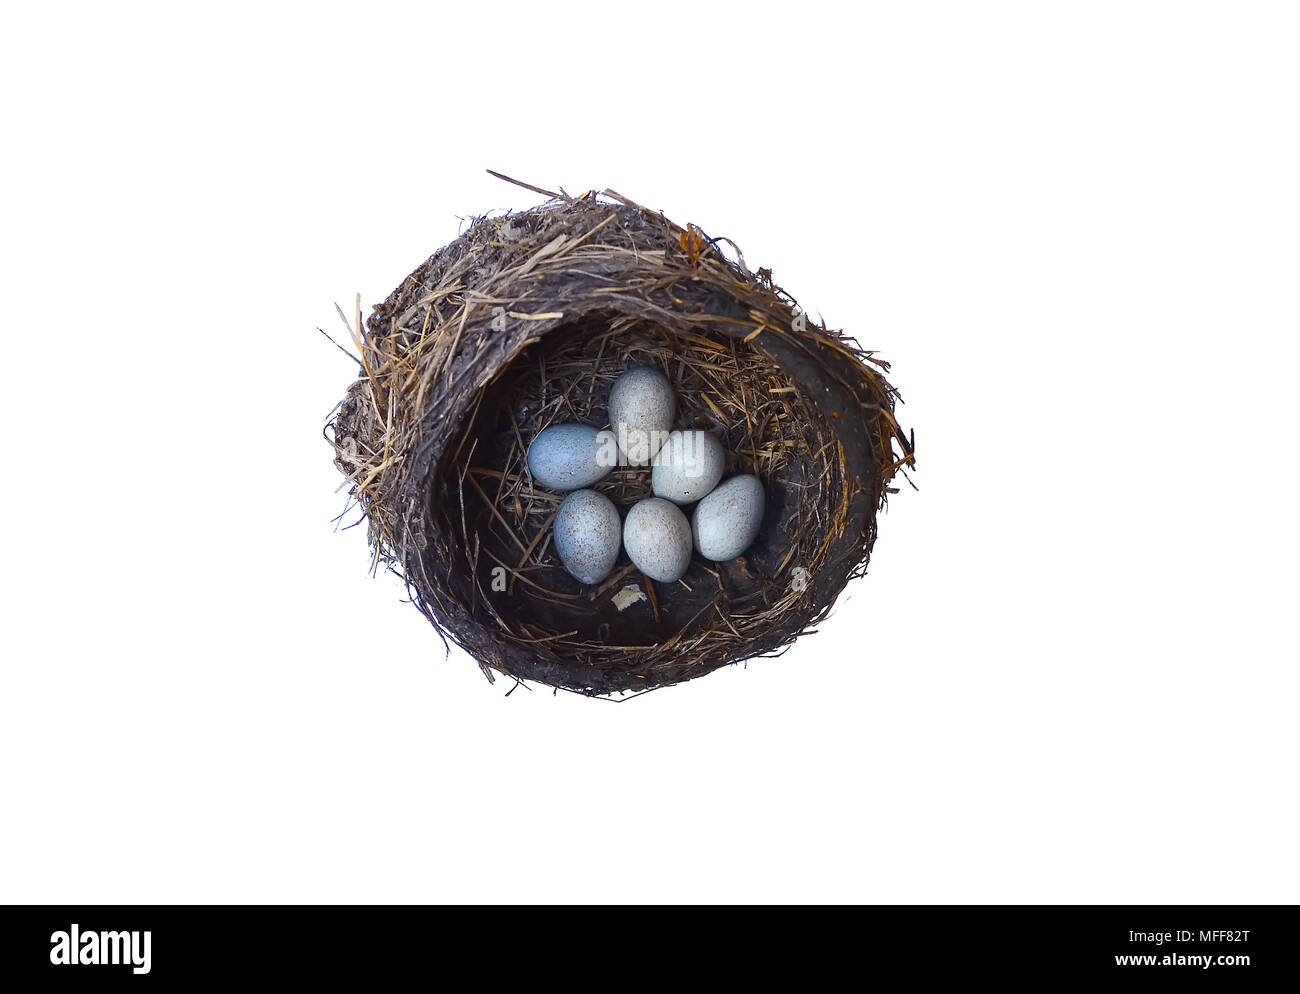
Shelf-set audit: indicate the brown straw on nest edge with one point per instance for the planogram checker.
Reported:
(525, 320)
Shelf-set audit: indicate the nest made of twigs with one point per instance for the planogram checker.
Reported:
(525, 320)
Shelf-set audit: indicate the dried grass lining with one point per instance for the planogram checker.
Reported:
(526, 320)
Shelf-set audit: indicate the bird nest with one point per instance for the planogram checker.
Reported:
(526, 320)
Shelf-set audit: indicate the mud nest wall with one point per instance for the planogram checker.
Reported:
(526, 320)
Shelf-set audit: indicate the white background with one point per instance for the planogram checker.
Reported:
(1071, 673)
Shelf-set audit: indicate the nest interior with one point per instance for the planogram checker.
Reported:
(525, 321)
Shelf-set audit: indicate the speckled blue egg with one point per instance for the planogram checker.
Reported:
(688, 466)
(726, 522)
(571, 456)
(657, 537)
(586, 534)
(641, 409)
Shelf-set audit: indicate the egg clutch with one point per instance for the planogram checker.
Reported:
(686, 473)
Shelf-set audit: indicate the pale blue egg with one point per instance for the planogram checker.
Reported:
(571, 456)
(688, 466)
(586, 533)
(726, 522)
(641, 409)
(657, 537)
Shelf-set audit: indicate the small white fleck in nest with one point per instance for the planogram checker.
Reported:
(628, 596)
